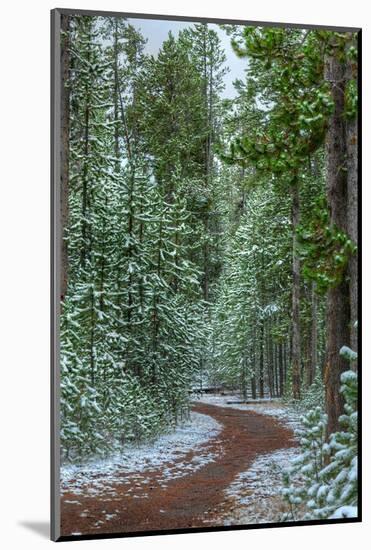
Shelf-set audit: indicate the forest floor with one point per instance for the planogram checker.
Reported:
(226, 470)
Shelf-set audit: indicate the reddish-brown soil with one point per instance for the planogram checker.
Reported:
(195, 500)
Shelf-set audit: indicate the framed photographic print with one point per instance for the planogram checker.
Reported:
(205, 242)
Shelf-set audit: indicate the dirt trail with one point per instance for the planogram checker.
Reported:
(195, 500)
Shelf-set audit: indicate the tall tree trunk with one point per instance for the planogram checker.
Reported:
(280, 369)
(313, 337)
(287, 357)
(244, 379)
(338, 307)
(276, 377)
(253, 356)
(253, 387)
(261, 361)
(296, 347)
(65, 146)
(352, 189)
(269, 355)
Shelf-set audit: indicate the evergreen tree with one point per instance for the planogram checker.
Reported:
(328, 469)
(183, 263)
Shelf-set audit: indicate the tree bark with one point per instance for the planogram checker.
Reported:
(313, 337)
(261, 362)
(244, 379)
(269, 347)
(253, 387)
(296, 347)
(338, 307)
(253, 356)
(280, 369)
(65, 145)
(275, 370)
(352, 189)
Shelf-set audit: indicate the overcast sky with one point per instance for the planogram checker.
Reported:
(156, 31)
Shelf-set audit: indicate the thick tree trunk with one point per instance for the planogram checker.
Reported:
(353, 228)
(352, 189)
(296, 347)
(65, 131)
(338, 309)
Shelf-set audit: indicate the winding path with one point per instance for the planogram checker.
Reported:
(195, 500)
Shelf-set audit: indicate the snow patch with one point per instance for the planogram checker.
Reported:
(264, 477)
(256, 492)
(168, 453)
(345, 512)
(252, 490)
(270, 407)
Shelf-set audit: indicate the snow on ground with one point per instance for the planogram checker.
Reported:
(271, 407)
(168, 452)
(255, 495)
(345, 512)
(264, 476)
(256, 492)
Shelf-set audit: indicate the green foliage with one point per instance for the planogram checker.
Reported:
(324, 249)
(351, 99)
(132, 332)
(252, 293)
(309, 463)
(295, 99)
(314, 396)
(323, 480)
(180, 265)
(348, 354)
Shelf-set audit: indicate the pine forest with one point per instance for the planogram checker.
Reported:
(209, 300)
